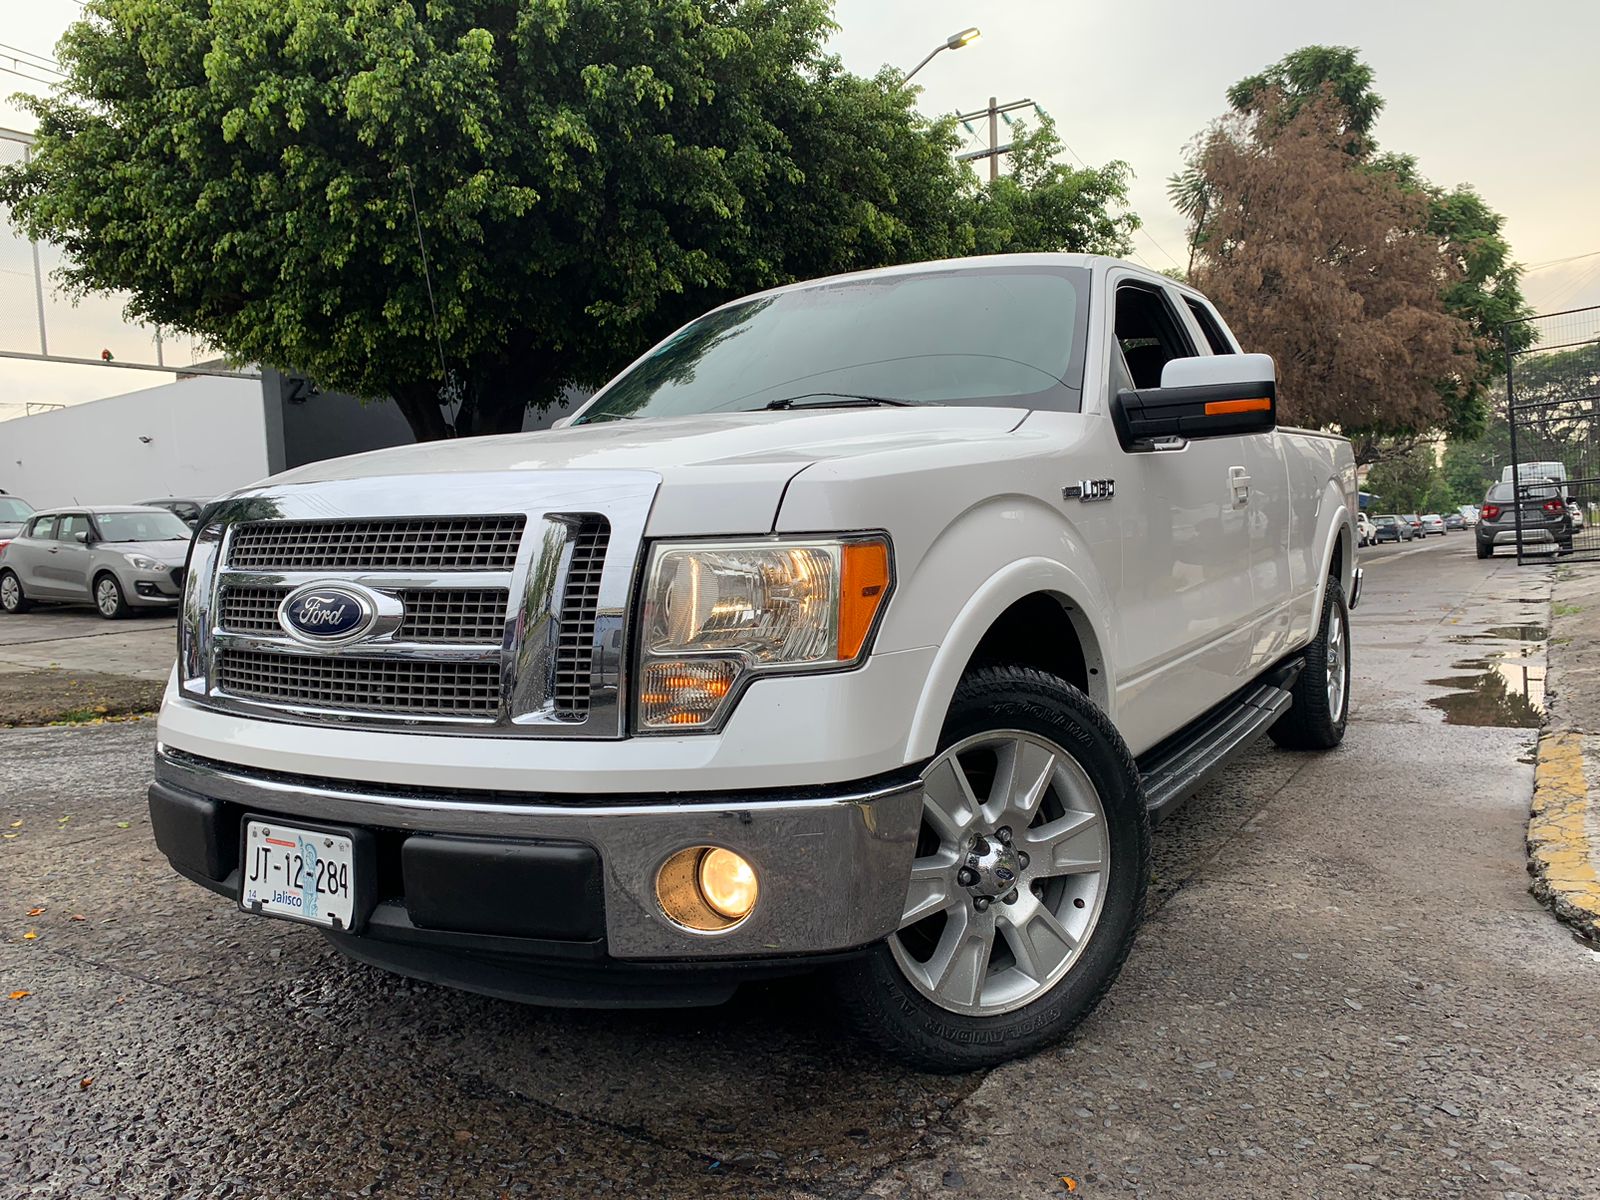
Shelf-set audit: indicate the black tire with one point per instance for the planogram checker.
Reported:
(873, 996)
(13, 599)
(1310, 723)
(113, 611)
(1485, 551)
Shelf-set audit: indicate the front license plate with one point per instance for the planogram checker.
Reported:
(303, 874)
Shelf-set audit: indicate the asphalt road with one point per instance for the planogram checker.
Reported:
(1343, 989)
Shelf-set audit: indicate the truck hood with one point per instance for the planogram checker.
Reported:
(721, 473)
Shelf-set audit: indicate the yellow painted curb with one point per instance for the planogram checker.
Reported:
(1561, 854)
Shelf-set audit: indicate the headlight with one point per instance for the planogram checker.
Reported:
(717, 612)
(140, 563)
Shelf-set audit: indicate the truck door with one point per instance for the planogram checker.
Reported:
(1261, 494)
(1186, 543)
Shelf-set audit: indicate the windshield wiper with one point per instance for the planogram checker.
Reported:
(835, 400)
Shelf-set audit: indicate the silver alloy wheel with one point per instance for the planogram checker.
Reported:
(10, 592)
(1006, 891)
(1338, 663)
(107, 596)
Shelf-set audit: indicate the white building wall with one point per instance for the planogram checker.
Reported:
(198, 438)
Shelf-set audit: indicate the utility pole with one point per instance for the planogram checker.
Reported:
(995, 112)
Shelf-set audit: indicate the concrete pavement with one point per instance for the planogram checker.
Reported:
(140, 646)
(1343, 989)
(70, 664)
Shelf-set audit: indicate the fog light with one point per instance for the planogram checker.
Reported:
(728, 883)
(707, 888)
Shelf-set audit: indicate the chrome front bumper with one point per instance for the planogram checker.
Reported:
(833, 863)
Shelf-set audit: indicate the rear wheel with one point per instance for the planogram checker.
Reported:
(1027, 886)
(1485, 550)
(12, 599)
(1317, 718)
(108, 597)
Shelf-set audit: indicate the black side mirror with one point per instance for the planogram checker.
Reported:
(1217, 396)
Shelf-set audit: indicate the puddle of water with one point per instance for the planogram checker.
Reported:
(1506, 633)
(1506, 693)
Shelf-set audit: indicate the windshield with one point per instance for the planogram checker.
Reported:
(142, 527)
(1010, 335)
(12, 509)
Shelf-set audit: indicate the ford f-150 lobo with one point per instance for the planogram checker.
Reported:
(860, 626)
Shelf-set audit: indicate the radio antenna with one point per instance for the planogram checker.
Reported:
(449, 391)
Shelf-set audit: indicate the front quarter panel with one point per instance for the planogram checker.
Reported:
(975, 528)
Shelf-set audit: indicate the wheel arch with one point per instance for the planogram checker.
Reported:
(1016, 597)
(1338, 556)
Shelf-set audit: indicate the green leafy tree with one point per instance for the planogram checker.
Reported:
(470, 204)
(1300, 77)
(1406, 482)
(1040, 203)
(1471, 467)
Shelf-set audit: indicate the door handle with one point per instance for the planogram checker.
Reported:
(55, 549)
(1239, 483)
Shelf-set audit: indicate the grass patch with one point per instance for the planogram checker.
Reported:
(1566, 610)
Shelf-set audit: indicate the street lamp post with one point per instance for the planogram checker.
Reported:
(954, 42)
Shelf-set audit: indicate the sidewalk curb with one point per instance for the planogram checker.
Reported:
(1561, 850)
(1564, 818)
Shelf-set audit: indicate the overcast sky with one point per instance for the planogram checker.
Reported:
(1503, 97)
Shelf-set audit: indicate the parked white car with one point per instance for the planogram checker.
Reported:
(863, 625)
(1366, 531)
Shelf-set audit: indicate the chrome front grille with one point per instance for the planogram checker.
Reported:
(250, 609)
(412, 544)
(580, 600)
(381, 685)
(508, 623)
(443, 615)
(453, 615)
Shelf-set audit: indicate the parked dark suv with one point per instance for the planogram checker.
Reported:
(1545, 519)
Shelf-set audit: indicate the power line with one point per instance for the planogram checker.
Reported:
(30, 78)
(1556, 262)
(1142, 229)
(46, 63)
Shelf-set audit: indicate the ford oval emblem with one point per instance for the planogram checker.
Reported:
(327, 612)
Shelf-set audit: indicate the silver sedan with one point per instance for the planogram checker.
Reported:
(114, 558)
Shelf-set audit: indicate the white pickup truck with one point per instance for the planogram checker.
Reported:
(860, 626)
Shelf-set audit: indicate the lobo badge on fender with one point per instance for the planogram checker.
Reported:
(1090, 489)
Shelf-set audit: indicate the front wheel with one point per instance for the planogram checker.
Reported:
(1316, 719)
(1027, 886)
(108, 597)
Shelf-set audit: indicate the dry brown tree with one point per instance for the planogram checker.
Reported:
(1326, 264)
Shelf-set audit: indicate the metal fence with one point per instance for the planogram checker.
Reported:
(1553, 406)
